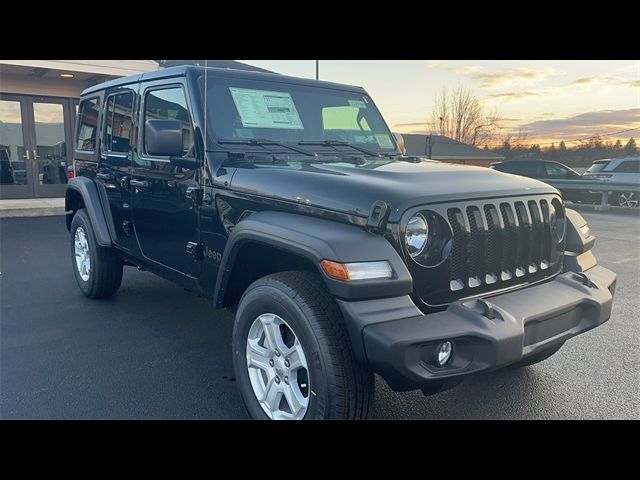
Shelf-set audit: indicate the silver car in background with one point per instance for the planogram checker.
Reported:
(617, 170)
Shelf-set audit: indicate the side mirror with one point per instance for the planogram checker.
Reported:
(163, 138)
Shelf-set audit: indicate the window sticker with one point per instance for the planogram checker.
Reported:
(357, 103)
(265, 109)
(244, 133)
(383, 140)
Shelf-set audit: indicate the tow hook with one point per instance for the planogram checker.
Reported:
(586, 281)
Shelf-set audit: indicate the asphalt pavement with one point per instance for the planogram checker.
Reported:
(155, 351)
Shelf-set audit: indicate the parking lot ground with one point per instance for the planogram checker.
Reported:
(157, 351)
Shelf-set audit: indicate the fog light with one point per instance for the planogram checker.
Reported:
(444, 353)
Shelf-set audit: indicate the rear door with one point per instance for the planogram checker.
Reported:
(166, 220)
(116, 156)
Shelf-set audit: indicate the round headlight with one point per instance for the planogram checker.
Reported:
(416, 235)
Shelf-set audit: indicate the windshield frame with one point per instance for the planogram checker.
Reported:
(265, 80)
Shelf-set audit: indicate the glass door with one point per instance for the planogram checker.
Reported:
(35, 133)
(51, 142)
(15, 167)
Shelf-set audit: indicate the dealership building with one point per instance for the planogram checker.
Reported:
(38, 106)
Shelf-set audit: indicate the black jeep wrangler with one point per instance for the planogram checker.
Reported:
(290, 202)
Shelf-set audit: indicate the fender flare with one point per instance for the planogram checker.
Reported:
(317, 239)
(94, 203)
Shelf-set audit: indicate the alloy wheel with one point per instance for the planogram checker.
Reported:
(628, 199)
(83, 260)
(277, 368)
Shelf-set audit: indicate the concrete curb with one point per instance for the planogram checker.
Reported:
(31, 207)
(32, 212)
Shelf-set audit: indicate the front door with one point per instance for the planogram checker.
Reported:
(166, 221)
(34, 135)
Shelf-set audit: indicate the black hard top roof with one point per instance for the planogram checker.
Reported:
(217, 72)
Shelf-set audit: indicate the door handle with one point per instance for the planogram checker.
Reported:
(104, 176)
(26, 154)
(35, 156)
(139, 183)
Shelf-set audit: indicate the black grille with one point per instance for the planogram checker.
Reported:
(499, 243)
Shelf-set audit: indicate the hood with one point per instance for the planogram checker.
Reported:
(353, 189)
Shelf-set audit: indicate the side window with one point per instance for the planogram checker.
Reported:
(628, 167)
(170, 104)
(88, 125)
(118, 123)
(556, 170)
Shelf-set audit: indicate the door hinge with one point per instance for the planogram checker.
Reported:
(126, 226)
(196, 250)
(194, 195)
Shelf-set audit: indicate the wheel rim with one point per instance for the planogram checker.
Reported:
(83, 260)
(628, 199)
(277, 368)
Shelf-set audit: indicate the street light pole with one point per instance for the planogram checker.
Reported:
(317, 69)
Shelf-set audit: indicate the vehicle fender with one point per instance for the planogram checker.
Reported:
(317, 239)
(93, 203)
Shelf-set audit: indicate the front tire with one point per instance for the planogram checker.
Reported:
(98, 271)
(289, 326)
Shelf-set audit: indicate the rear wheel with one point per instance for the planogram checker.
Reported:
(539, 357)
(628, 199)
(98, 271)
(292, 354)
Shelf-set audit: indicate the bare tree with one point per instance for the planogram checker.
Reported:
(460, 115)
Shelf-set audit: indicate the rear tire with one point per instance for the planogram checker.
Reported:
(336, 386)
(98, 271)
(539, 357)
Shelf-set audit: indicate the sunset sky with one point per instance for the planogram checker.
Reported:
(551, 100)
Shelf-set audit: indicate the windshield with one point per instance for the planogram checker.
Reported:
(597, 167)
(321, 118)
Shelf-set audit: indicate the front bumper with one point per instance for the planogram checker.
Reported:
(487, 333)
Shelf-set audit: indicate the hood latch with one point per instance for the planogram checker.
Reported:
(378, 216)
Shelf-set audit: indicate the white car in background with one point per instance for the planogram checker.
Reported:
(617, 170)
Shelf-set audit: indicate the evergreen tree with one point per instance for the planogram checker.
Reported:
(562, 147)
(630, 148)
(618, 145)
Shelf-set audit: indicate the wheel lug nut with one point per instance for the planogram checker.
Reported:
(286, 363)
(271, 362)
(277, 353)
(277, 379)
(286, 380)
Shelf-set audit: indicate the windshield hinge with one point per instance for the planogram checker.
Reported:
(378, 216)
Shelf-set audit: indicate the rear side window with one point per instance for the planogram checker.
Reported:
(597, 167)
(170, 104)
(527, 169)
(88, 125)
(556, 170)
(631, 166)
(118, 123)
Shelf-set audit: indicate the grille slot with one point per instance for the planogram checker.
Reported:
(498, 243)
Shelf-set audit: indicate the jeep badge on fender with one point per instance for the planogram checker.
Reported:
(289, 202)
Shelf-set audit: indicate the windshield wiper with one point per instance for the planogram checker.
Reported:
(263, 141)
(333, 143)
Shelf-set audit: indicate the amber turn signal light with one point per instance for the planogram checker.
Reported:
(335, 270)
